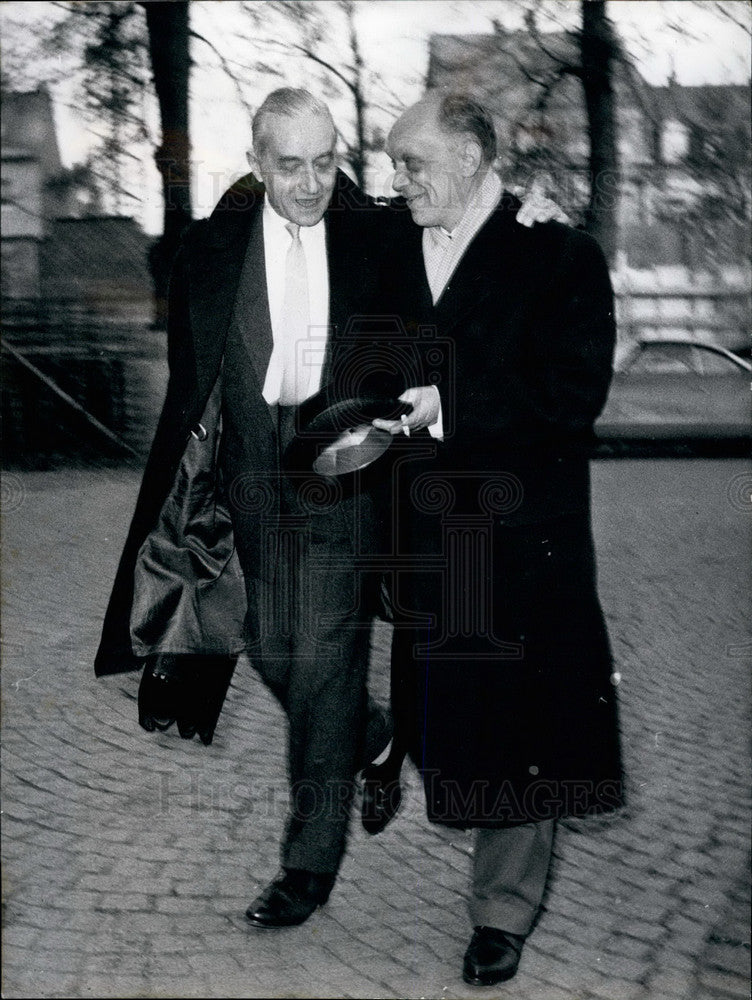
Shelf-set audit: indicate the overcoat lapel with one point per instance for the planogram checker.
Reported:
(214, 275)
(487, 268)
(345, 281)
(252, 319)
(343, 278)
(413, 277)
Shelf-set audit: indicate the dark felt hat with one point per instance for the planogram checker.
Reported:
(335, 437)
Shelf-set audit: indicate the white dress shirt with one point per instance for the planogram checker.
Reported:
(277, 241)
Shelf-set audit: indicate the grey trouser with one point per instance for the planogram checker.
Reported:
(510, 868)
(314, 653)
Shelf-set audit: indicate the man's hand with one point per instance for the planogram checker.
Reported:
(536, 207)
(426, 403)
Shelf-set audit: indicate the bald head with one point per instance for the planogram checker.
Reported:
(456, 115)
(442, 148)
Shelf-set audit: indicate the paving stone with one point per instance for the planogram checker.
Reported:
(722, 984)
(673, 982)
(611, 988)
(630, 947)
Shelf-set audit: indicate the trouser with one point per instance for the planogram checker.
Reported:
(314, 623)
(309, 614)
(509, 872)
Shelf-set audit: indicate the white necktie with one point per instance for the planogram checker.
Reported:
(295, 324)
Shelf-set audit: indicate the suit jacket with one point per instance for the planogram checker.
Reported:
(204, 290)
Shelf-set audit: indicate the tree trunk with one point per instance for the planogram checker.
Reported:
(598, 50)
(167, 24)
(359, 155)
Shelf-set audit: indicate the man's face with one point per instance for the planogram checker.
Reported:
(429, 169)
(298, 166)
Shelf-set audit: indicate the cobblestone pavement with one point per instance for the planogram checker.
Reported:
(129, 857)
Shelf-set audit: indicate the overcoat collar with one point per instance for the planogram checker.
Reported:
(487, 267)
(215, 263)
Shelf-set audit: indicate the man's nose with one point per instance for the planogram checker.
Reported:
(400, 180)
(310, 182)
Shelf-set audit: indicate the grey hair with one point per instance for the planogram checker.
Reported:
(288, 102)
(459, 114)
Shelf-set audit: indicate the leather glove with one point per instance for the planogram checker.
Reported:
(188, 689)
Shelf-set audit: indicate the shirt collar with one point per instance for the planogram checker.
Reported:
(278, 225)
(477, 210)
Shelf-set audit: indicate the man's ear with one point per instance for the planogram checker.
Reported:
(471, 156)
(253, 161)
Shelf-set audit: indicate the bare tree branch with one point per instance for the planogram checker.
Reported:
(313, 56)
(535, 34)
(225, 64)
(724, 10)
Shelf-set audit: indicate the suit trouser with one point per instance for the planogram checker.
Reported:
(313, 652)
(510, 869)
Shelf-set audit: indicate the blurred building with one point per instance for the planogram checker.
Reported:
(77, 303)
(30, 157)
(684, 152)
(684, 188)
(55, 241)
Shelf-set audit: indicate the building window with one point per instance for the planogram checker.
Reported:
(674, 141)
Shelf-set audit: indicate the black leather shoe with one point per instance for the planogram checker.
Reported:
(290, 899)
(492, 956)
(382, 795)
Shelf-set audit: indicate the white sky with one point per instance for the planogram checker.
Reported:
(394, 35)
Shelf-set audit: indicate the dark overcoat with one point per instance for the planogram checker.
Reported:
(504, 655)
(203, 296)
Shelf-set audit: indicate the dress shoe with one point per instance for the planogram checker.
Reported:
(382, 795)
(290, 899)
(492, 956)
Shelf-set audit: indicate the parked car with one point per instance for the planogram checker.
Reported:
(676, 396)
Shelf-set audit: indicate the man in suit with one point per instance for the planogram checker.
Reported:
(506, 690)
(263, 301)
(262, 298)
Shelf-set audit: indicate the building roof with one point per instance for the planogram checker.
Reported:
(96, 258)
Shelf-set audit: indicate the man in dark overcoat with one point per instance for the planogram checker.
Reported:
(299, 539)
(235, 299)
(507, 684)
